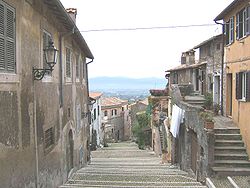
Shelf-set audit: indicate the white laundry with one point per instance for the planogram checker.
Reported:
(177, 119)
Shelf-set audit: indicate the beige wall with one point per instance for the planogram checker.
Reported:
(237, 59)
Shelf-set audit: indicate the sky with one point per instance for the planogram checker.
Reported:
(148, 52)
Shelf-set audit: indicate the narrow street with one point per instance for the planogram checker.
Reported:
(124, 165)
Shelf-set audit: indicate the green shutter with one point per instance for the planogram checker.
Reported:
(248, 87)
(238, 85)
(1, 19)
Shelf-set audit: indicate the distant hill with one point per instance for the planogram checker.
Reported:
(123, 83)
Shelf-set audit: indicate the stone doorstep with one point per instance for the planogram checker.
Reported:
(228, 136)
(229, 143)
(232, 163)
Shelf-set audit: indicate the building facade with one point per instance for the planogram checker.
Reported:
(43, 123)
(115, 119)
(236, 20)
(96, 131)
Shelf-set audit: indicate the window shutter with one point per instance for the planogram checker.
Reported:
(237, 26)
(248, 87)
(248, 21)
(10, 40)
(238, 85)
(68, 59)
(226, 27)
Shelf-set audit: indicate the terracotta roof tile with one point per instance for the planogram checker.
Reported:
(95, 95)
(112, 101)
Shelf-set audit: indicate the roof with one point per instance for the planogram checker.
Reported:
(112, 101)
(208, 41)
(62, 16)
(95, 95)
(228, 9)
(185, 66)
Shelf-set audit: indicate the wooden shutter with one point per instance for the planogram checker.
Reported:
(2, 43)
(238, 85)
(248, 86)
(10, 40)
(248, 21)
(7, 38)
(68, 59)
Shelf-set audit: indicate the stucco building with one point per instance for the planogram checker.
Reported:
(44, 129)
(236, 19)
(96, 130)
(115, 119)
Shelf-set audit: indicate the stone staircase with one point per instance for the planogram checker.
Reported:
(230, 157)
(195, 100)
(123, 165)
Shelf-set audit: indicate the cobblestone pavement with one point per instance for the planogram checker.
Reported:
(123, 165)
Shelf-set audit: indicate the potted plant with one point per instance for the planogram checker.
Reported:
(208, 119)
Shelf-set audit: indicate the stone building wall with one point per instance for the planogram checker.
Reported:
(28, 108)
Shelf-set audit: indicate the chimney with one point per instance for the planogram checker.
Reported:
(72, 13)
(188, 57)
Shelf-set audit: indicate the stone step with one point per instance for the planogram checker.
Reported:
(132, 184)
(231, 156)
(227, 131)
(228, 149)
(229, 142)
(227, 171)
(228, 136)
(133, 178)
(232, 163)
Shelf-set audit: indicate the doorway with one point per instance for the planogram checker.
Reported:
(216, 89)
(70, 152)
(194, 150)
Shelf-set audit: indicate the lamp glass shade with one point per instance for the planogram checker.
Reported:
(51, 55)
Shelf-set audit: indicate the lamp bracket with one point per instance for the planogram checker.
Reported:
(39, 73)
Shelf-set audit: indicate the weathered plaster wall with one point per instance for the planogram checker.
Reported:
(26, 104)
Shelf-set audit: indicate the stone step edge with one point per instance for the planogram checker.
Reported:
(228, 169)
(117, 186)
(129, 182)
(231, 161)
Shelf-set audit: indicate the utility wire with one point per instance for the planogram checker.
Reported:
(147, 28)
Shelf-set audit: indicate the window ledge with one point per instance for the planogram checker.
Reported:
(9, 78)
(242, 100)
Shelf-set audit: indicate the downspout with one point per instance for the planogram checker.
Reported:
(222, 67)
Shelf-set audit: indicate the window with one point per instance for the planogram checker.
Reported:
(68, 62)
(7, 39)
(98, 110)
(122, 108)
(112, 112)
(95, 114)
(115, 112)
(49, 139)
(105, 113)
(175, 78)
(243, 86)
(242, 23)
(46, 39)
(77, 67)
(229, 31)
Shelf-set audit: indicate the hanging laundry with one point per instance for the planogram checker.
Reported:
(177, 119)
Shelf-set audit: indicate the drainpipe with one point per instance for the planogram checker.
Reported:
(222, 67)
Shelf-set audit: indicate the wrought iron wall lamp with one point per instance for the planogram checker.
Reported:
(50, 57)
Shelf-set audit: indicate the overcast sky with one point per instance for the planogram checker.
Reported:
(143, 53)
